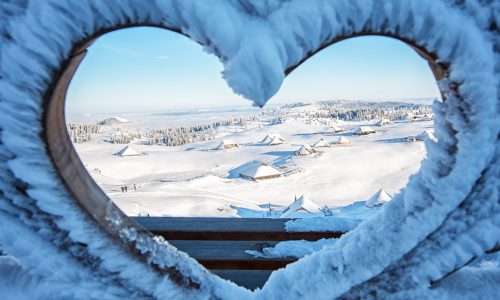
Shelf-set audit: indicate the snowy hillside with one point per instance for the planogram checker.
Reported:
(203, 178)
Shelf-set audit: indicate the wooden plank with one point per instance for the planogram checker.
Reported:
(220, 243)
(246, 264)
(251, 279)
(221, 249)
(246, 236)
(230, 255)
(212, 224)
(232, 229)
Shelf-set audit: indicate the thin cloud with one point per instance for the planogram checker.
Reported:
(116, 49)
(124, 51)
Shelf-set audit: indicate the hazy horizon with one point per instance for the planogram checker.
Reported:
(427, 100)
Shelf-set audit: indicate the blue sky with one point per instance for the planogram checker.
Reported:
(148, 69)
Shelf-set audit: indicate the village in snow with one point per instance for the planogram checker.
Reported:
(335, 158)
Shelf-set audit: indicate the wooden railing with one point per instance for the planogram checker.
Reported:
(219, 244)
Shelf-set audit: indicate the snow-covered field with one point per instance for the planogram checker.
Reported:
(195, 179)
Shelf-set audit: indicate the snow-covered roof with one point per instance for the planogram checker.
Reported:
(343, 141)
(364, 130)
(277, 141)
(321, 143)
(332, 122)
(382, 122)
(257, 169)
(337, 129)
(424, 135)
(127, 151)
(302, 203)
(378, 199)
(270, 137)
(305, 150)
(225, 143)
(410, 116)
(266, 139)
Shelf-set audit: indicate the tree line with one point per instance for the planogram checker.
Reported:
(81, 133)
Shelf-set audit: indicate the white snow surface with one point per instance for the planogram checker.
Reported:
(342, 219)
(114, 121)
(209, 183)
(448, 213)
(299, 248)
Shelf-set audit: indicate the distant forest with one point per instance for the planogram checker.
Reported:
(345, 111)
(81, 133)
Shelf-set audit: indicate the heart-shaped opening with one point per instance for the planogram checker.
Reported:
(445, 217)
(171, 163)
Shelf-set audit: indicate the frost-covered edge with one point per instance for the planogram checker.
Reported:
(465, 125)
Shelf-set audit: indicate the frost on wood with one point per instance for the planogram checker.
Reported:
(447, 215)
